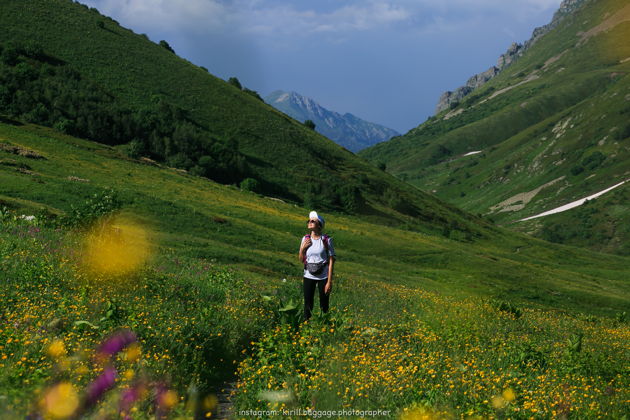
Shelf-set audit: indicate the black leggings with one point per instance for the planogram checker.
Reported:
(309, 296)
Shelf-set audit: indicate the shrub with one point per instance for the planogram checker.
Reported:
(350, 198)
(253, 93)
(10, 55)
(400, 203)
(623, 133)
(576, 170)
(234, 82)
(135, 149)
(594, 160)
(509, 308)
(249, 184)
(97, 205)
(310, 199)
(180, 160)
(438, 154)
(166, 46)
(309, 124)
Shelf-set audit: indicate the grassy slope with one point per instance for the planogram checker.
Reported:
(191, 211)
(393, 286)
(535, 132)
(135, 70)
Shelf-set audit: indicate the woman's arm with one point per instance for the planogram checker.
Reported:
(328, 286)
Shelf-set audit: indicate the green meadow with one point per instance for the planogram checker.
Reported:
(422, 324)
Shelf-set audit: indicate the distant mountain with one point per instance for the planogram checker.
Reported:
(546, 130)
(347, 130)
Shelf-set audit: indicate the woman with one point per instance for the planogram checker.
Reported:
(318, 255)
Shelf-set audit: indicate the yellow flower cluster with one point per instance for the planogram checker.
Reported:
(442, 357)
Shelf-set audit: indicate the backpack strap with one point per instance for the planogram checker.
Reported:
(304, 256)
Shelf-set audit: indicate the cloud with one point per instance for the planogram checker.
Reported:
(199, 16)
(261, 17)
(289, 20)
(433, 17)
(298, 19)
(486, 4)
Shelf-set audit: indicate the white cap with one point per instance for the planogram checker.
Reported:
(314, 216)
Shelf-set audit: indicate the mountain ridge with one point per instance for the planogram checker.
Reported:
(513, 53)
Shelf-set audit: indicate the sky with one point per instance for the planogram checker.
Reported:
(386, 61)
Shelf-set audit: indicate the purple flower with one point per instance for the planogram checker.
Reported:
(117, 342)
(100, 385)
(129, 397)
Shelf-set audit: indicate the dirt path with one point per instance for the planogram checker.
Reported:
(225, 408)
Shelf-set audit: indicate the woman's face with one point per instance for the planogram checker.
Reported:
(313, 225)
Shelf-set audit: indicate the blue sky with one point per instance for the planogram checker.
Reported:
(384, 61)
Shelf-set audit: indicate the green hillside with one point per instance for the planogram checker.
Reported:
(213, 293)
(81, 73)
(551, 128)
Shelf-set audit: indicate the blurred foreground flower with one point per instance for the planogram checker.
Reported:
(117, 342)
(103, 383)
(63, 401)
(60, 402)
(116, 246)
(506, 397)
(56, 349)
(421, 413)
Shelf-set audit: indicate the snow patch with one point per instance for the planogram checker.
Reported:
(282, 97)
(472, 153)
(574, 203)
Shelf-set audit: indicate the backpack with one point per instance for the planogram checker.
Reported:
(316, 268)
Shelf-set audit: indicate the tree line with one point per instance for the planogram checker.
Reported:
(41, 89)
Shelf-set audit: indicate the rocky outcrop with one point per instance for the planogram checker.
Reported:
(511, 55)
(347, 130)
(450, 99)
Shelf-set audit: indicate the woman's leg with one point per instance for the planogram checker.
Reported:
(309, 297)
(323, 297)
